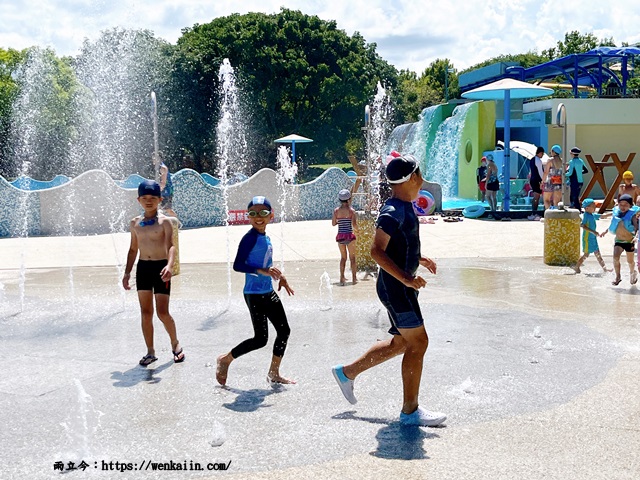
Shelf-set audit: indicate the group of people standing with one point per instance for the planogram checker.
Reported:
(545, 180)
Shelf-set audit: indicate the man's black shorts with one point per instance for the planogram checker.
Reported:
(148, 276)
(535, 187)
(626, 246)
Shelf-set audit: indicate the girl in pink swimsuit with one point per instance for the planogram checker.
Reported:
(345, 217)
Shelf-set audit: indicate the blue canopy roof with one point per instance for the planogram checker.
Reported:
(593, 68)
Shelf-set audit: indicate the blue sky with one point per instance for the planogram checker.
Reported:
(410, 34)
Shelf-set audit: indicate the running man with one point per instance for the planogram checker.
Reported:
(396, 248)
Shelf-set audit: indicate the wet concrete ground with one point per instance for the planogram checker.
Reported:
(537, 369)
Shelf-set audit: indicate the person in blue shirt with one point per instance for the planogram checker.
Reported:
(255, 259)
(575, 170)
(590, 236)
(396, 248)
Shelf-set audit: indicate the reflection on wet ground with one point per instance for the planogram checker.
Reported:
(507, 338)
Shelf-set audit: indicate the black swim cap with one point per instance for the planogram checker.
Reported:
(400, 169)
(626, 198)
(149, 187)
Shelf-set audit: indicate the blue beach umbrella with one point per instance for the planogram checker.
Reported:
(506, 89)
(293, 139)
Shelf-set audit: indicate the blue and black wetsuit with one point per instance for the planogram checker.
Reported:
(255, 252)
(398, 220)
(575, 173)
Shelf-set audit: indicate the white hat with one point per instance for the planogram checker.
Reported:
(344, 195)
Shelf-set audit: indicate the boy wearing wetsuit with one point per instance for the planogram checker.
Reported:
(624, 224)
(396, 248)
(152, 236)
(254, 259)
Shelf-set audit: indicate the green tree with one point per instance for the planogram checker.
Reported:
(525, 60)
(118, 71)
(300, 74)
(10, 62)
(576, 42)
(438, 73)
(413, 94)
(43, 115)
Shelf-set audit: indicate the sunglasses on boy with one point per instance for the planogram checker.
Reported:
(262, 213)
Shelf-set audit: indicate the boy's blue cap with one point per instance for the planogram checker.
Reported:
(259, 200)
(149, 187)
(557, 149)
(587, 201)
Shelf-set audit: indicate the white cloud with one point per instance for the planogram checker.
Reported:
(409, 33)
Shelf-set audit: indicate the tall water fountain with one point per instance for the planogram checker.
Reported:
(285, 176)
(377, 128)
(112, 132)
(34, 93)
(231, 143)
(156, 148)
(118, 71)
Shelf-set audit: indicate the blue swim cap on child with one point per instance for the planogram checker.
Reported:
(587, 201)
(149, 187)
(557, 149)
(259, 200)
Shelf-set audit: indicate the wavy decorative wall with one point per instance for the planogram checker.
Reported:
(93, 203)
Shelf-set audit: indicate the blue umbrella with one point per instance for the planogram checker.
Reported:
(506, 89)
(293, 139)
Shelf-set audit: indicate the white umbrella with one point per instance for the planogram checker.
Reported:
(506, 89)
(527, 150)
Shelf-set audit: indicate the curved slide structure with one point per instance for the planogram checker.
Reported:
(448, 141)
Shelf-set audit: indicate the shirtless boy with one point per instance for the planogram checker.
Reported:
(624, 225)
(629, 187)
(152, 236)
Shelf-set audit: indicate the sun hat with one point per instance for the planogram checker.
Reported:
(575, 150)
(344, 195)
(587, 201)
(400, 169)
(626, 198)
(259, 200)
(149, 187)
(557, 149)
(628, 174)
